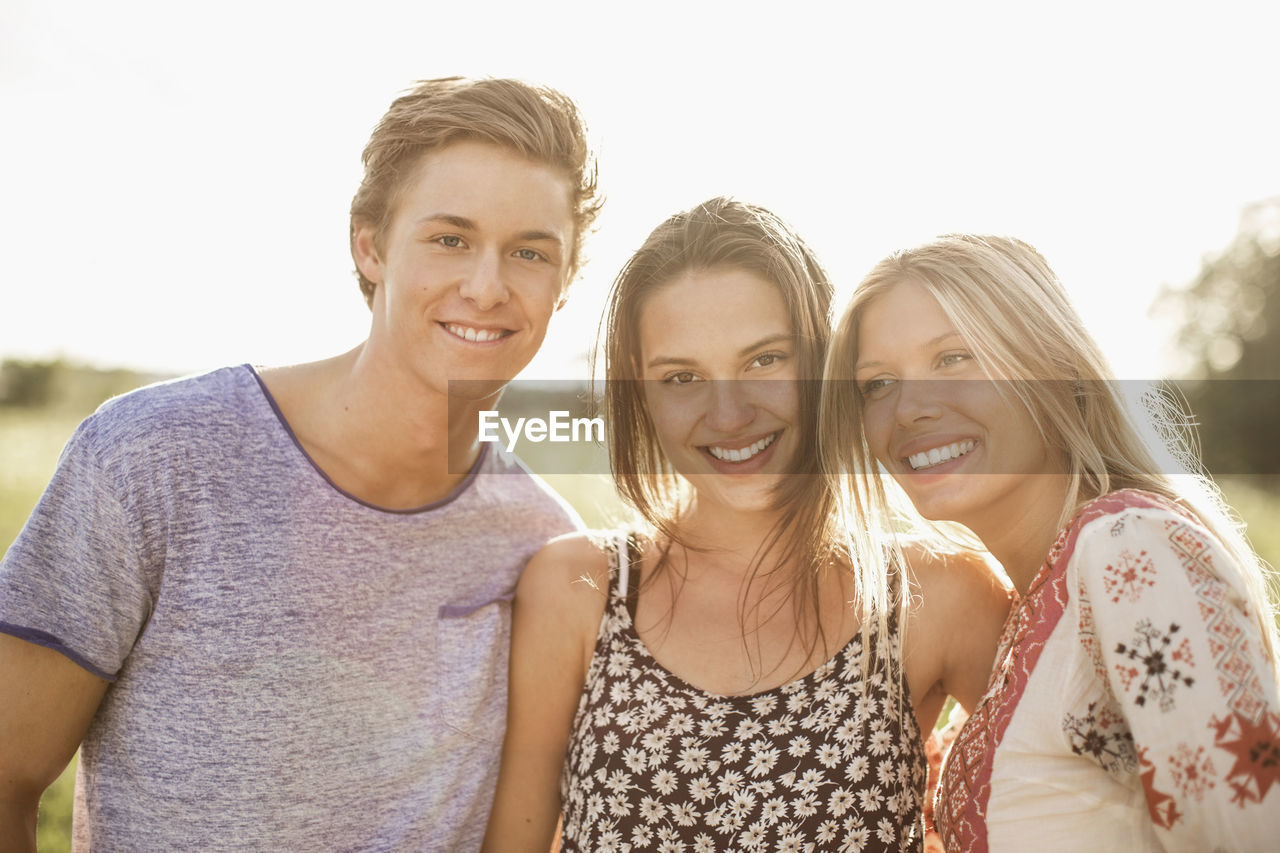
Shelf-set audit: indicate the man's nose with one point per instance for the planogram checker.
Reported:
(484, 285)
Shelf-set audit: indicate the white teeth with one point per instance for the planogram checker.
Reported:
(938, 455)
(473, 334)
(741, 454)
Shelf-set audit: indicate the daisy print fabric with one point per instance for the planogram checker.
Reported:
(828, 762)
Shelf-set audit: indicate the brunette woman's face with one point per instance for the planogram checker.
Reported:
(963, 448)
(718, 353)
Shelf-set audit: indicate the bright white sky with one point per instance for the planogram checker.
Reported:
(174, 177)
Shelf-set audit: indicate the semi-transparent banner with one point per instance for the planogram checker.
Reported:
(560, 427)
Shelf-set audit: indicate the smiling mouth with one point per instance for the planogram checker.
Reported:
(936, 456)
(741, 454)
(476, 335)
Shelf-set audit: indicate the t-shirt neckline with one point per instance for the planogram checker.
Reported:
(284, 423)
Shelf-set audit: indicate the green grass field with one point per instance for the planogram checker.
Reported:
(30, 442)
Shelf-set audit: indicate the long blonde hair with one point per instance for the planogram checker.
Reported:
(1015, 315)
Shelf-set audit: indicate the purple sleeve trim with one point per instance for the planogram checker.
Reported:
(49, 641)
(461, 611)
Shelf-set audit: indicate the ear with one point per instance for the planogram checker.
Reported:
(365, 252)
(564, 292)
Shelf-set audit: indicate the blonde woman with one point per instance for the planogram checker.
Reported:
(726, 679)
(1134, 703)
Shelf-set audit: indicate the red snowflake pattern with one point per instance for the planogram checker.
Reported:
(1162, 807)
(1085, 630)
(1186, 780)
(1182, 654)
(1127, 675)
(1192, 771)
(1128, 579)
(1256, 750)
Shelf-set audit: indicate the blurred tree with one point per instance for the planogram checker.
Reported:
(59, 384)
(1230, 329)
(27, 383)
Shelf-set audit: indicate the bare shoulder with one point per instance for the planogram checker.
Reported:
(954, 577)
(573, 566)
(954, 593)
(560, 601)
(955, 620)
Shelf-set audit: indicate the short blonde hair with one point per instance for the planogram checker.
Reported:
(538, 122)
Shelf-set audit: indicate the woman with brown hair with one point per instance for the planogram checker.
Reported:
(728, 676)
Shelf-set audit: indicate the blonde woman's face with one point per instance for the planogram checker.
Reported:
(718, 356)
(961, 447)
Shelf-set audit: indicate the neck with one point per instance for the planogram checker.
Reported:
(409, 422)
(731, 533)
(378, 432)
(1020, 532)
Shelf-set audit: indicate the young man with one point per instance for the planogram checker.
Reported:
(271, 606)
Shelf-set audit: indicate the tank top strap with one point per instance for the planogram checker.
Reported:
(622, 559)
(624, 579)
(896, 673)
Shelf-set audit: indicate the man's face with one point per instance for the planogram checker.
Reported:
(471, 267)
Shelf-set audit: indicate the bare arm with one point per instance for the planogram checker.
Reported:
(46, 704)
(559, 603)
(978, 603)
(953, 630)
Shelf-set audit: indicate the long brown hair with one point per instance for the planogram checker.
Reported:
(726, 234)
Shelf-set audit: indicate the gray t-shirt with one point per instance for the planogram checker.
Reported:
(293, 668)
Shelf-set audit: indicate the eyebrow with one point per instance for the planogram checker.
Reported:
(768, 340)
(927, 344)
(466, 224)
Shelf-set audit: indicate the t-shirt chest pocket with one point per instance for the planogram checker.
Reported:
(472, 650)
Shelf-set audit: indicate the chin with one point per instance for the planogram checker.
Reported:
(743, 496)
(938, 507)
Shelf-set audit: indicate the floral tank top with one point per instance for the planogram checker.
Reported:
(828, 762)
